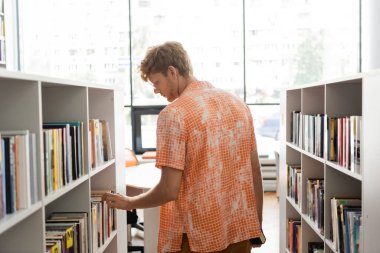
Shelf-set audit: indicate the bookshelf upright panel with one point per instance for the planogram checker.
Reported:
(339, 99)
(19, 110)
(26, 103)
(370, 158)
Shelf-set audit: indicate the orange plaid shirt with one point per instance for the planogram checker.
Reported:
(208, 134)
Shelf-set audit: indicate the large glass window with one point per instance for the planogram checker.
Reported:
(292, 42)
(82, 40)
(252, 48)
(211, 32)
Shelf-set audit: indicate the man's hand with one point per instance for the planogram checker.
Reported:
(166, 190)
(117, 200)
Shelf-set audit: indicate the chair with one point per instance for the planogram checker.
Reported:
(132, 217)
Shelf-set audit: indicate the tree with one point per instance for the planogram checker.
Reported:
(309, 59)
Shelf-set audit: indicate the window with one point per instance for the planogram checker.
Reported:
(273, 45)
(144, 121)
(299, 42)
(213, 40)
(84, 33)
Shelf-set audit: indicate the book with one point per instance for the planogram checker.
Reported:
(355, 143)
(78, 217)
(65, 150)
(332, 139)
(94, 226)
(106, 220)
(2, 179)
(294, 235)
(68, 233)
(9, 176)
(97, 147)
(17, 171)
(337, 205)
(106, 137)
(33, 169)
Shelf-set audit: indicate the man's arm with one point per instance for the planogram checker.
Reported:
(166, 190)
(257, 184)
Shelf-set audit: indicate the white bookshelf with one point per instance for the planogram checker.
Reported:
(26, 101)
(355, 95)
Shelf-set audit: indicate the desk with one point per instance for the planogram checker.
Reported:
(139, 179)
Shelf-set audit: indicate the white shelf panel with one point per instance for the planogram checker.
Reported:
(344, 170)
(295, 206)
(107, 242)
(100, 168)
(291, 145)
(330, 244)
(11, 220)
(65, 189)
(313, 226)
(320, 159)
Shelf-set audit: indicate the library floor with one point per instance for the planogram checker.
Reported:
(271, 218)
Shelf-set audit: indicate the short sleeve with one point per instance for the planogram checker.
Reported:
(171, 139)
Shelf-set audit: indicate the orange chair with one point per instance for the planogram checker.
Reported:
(130, 158)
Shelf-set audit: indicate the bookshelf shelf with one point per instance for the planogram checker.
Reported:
(27, 102)
(330, 244)
(340, 98)
(101, 167)
(312, 225)
(295, 206)
(64, 190)
(291, 145)
(344, 170)
(11, 220)
(107, 242)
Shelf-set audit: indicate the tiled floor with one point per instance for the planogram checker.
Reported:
(270, 226)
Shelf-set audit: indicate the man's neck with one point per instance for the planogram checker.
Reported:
(185, 81)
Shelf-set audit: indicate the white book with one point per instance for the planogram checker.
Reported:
(352, 139)
(33, 168)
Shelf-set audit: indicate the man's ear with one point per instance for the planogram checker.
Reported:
(172, 71)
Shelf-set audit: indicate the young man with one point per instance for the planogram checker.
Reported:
(210, 190)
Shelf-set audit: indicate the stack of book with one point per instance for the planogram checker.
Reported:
(294, 183)
(313, 129)
(294, 236)
(63, 154)
(101, 148)
(346, 216)
(343, 138)
(307, 132)
(296, 128)
(315, 202)
(103, 218)
(18, 171)
(67, 232)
